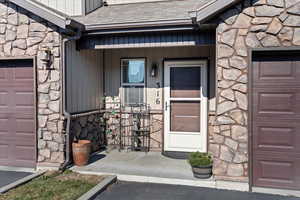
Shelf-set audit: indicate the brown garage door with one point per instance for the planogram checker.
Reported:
(276, 120)
(17, 123)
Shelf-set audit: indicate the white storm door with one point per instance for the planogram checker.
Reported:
(185, 108)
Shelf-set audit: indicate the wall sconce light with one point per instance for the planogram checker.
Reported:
(105, 3)
(154, 70)
(47, 58)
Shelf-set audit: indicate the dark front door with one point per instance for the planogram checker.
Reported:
(276, 120)
(17, 119)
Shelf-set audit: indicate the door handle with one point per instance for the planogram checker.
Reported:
(166, 106)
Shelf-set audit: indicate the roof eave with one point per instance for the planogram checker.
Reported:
(136, 25)
(55, 17)
(153, 26)
(213, 8)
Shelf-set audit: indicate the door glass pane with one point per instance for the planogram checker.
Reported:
(185, 82)
(185, 116)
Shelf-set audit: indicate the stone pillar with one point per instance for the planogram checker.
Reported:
(23, 34)
(266, 23)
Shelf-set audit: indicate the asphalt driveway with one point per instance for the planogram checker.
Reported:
(7, 177)
(149, 191)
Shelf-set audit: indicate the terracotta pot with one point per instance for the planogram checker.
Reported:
(81, 152)
(202, 172)
(88, 143)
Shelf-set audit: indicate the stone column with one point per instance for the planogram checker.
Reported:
(23, 34)
(266, 23)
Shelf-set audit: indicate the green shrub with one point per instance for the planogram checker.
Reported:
(200, 159)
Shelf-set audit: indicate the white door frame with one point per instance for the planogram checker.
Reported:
(202, 135)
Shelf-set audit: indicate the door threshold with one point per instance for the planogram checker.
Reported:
(284, 192)
(176, 154)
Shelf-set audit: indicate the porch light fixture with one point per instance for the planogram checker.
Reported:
(47, 58)
(105, 3)
(154, 70)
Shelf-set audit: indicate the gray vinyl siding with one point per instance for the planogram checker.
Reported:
(72, 7)
(84, 79)
(163, 39)
(69, 7)
(91, 5)
(155, 55)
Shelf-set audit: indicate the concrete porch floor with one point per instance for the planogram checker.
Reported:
(151, 164)
(151, 167)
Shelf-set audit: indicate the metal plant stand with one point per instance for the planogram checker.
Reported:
(140, 133)
(128, 127)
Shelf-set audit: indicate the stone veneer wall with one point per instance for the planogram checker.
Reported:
(91, 128)
(156, 132)
(266, 23)
(25, 34)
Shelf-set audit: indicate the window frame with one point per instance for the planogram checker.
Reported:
(123, 85)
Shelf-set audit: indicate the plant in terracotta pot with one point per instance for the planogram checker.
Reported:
(201, 164)
(81, 152)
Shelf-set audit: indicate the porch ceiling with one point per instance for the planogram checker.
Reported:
(151, 39)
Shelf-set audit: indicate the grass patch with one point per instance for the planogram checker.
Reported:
(54, 186)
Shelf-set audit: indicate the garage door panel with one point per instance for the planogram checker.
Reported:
(279, 171)
(19, 163)
(3, 73)
(276, 136)
(3, 151)
(17, 114)
(279, 102)
(276, 120)
(276, 72)
(22, 163)
(24, 139)
(23, 111)
(25, 126)
(25, 153)
(14, 140)
(4, 126)
(24, 74)
(4, 98)
(24, 98)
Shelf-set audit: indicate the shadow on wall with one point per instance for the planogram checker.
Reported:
(91, 128)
